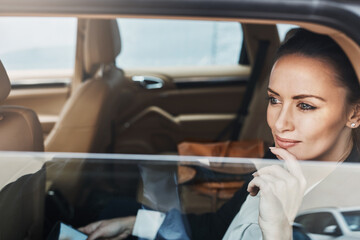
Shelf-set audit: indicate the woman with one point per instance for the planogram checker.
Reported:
(313, 111)
(313, 108)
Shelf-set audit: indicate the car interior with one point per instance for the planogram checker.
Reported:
(109, 108)
(190, 103)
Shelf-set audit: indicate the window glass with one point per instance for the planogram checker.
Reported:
(40, 189)
(307, 221)
(154, 42)
(324, 220)
(317, 222)
(34, 43)
(352, 219)
(283, 30)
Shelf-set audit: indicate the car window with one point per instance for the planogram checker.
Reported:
(352, 219)
(35, 47)
(317, 222)
(38, 190)
(307, 221)
(283, 29)
(156, 42)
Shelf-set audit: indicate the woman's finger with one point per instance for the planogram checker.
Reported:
(281, 177)
(279, 187)
(258, 184)
(276, 171)
(291, 163)
(282, 153)
(276, 184)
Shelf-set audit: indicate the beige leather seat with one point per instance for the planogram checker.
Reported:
(84, 124)
(22, 199)
(20, 129)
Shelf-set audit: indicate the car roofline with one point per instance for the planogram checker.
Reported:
(342, 16)
(329, 209)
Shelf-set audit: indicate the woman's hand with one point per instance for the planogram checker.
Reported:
(281, 193)
(113, 229)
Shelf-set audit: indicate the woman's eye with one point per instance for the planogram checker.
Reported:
(304, 106)
(273, 100)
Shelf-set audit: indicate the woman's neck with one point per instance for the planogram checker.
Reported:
(346, 152)
(315, 174)
(339, 150)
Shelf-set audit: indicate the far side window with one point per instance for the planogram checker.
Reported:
(316, 222)
(161, 43)
(38, 48)
(283, 29)
(307, 221)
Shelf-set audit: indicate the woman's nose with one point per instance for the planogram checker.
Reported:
(284, 121)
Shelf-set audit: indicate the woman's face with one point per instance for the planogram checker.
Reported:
(307, 110)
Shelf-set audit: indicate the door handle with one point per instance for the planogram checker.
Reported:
(149, 82)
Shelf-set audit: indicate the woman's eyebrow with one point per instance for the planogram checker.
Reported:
(301, 96)
(272, 91)
(307, 96)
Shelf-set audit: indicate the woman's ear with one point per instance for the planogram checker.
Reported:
(354, 117)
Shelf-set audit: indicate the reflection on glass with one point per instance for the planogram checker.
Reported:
(196, 195)
(352, 219)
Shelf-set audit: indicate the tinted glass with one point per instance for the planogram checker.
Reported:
(352, 219)
(202, 195)
(37, 48)
(154, 42)
(307, 221)
(37, 43)
(283, 29)
(316, 222)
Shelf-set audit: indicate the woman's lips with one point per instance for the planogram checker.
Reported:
(285, 143)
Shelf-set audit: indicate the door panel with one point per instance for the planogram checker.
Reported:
(201, 81)
(158, 119)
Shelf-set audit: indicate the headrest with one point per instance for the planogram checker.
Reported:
(102, 43)
(20, 129)
(5, 85)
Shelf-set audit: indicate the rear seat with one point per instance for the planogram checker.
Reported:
(22, 194)
(19, 126)
(20, 131)
(84, 123)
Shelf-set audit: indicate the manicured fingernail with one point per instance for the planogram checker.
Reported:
(255, 174)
